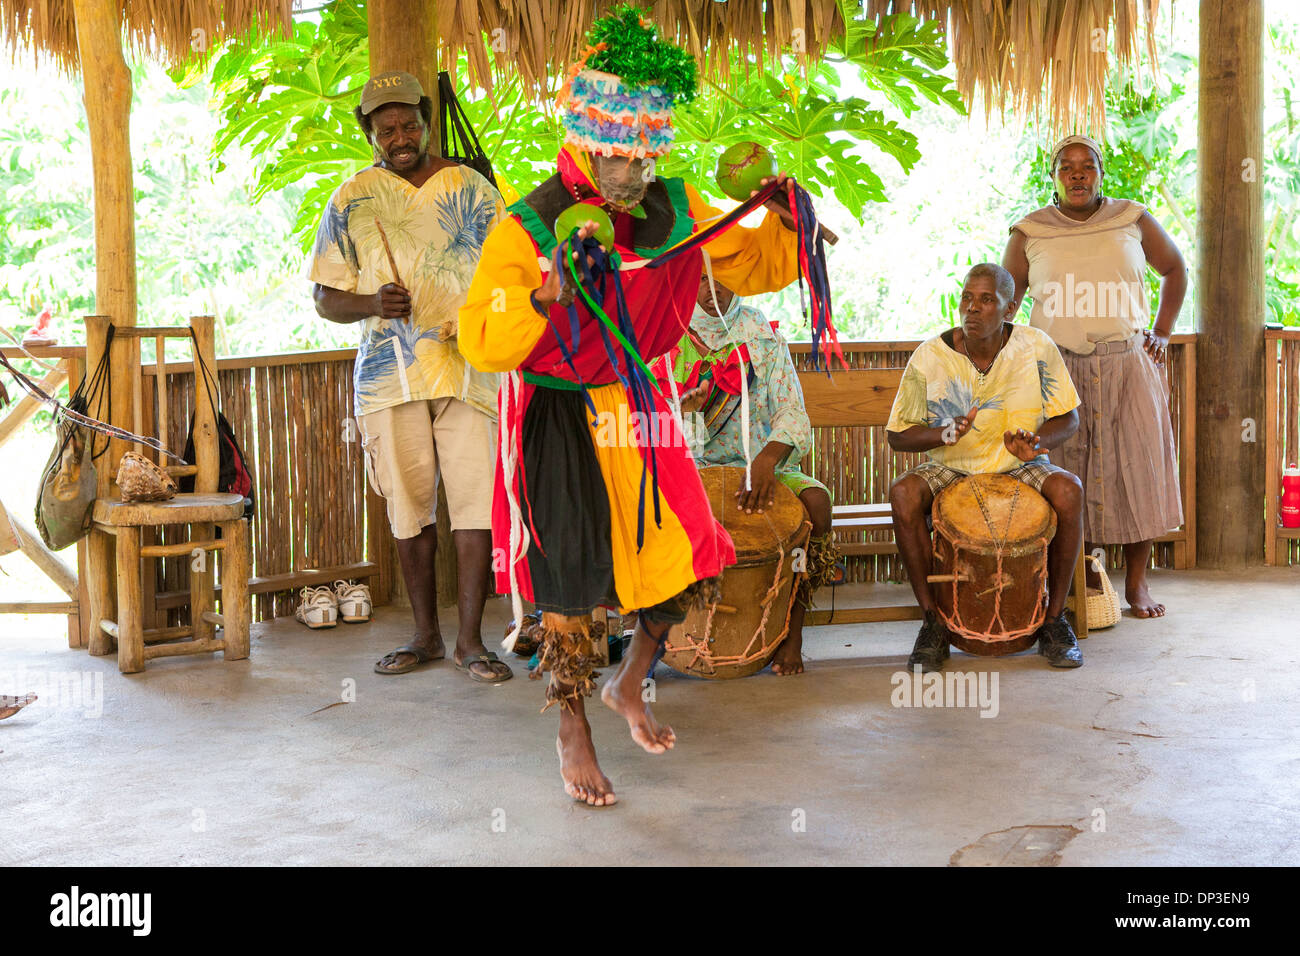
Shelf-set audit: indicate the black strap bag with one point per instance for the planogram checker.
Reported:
(459, 144)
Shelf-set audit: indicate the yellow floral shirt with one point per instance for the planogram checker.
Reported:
(436, 234)
(1026, 385)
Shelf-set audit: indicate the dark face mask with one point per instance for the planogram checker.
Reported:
(622, 181)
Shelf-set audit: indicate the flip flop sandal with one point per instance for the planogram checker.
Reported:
(489, 658)
(421, 656)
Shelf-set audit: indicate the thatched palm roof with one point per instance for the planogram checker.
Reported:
(1040, 56)
(169, 30)
(1045, 57)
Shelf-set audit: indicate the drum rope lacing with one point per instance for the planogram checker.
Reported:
(700, 646)
(1000, 580)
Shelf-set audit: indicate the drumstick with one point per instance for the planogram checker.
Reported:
(392, 263)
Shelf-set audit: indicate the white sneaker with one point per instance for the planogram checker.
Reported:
(317, 607)
(353, 601)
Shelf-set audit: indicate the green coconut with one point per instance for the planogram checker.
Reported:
(577, 215)
(742, 169)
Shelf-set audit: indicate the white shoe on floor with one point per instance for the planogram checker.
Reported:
(353, 601)
(317, 607)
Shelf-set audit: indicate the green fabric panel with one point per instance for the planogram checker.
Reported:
(532, 223)
(683, 225)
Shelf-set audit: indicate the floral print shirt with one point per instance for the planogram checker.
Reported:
(1025, 386)
(436, 234)
(776, 407)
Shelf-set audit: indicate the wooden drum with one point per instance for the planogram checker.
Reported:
(737, 635)
(991, 534)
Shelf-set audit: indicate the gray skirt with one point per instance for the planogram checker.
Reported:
(1123, 451)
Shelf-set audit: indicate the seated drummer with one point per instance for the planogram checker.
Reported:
(987, 397)
(779, 431)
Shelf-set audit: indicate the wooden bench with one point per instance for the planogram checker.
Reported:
(864, 397)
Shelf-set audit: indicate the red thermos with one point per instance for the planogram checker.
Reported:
(1291, 497)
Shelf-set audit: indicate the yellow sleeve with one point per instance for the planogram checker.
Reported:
(749, 261)
(498, 325)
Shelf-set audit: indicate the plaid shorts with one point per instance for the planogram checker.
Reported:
(1033, 473)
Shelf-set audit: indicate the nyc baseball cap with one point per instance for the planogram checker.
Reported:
(392, 87)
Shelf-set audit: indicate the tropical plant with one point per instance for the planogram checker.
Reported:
(290, 101)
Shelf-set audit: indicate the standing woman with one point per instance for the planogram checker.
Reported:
(1083, 260)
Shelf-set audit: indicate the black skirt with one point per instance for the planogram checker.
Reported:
(569, 558)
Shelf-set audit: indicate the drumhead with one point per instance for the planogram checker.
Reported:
(756, 536)
(980, 510)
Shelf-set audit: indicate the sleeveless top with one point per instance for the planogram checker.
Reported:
(1087, 279)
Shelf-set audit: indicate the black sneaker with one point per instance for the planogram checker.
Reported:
(1056, 642)
(931, 648)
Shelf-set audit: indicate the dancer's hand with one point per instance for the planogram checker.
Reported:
(558, 289)
(778, 207)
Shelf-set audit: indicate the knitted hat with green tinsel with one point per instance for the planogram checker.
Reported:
(619, 96)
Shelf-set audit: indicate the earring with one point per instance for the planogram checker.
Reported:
(1056, 199)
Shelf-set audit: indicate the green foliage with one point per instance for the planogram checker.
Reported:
(635, 52)
(289, 101)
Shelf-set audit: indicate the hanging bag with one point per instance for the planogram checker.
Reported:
(459, 143)
(65, 500)
(233, 475)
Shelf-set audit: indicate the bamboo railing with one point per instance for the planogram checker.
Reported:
(292, 415)
(857, 465)
(1281, 438)
(315, 519)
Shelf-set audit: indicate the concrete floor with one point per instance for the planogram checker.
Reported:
(1175, 744)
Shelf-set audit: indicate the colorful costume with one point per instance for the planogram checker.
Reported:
(610, 500)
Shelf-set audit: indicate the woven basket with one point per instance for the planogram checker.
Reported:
(139, 479)
(1103, 605)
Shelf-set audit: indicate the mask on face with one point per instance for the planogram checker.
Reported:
(621, 180)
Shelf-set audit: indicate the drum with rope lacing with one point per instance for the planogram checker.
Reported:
(737, 635)
(991, 534)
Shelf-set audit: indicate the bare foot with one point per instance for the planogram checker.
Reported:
(578, 768)
(788, 658)
(622, 694)
(1142, 603)
(11, 705)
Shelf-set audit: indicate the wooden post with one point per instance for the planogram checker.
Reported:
(1272, 478)
(130, 625)
(404, 36)
(106, 84)
(235, 611)
(207, 457)
(101, 561)
(1230, 317)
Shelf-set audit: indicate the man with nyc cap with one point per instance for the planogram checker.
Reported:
(395, 252)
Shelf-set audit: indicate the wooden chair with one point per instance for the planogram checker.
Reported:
(859, 397)
(116, 549)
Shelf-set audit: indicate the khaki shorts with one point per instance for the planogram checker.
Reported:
(410, 446)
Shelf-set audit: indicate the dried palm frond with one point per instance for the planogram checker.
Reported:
(1042, 58)
(169, 30)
